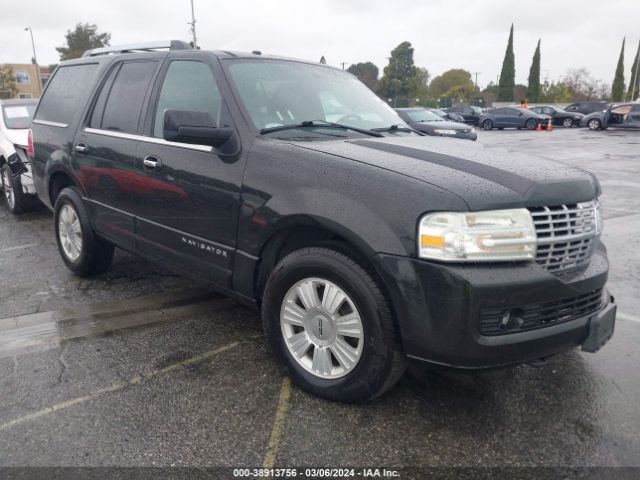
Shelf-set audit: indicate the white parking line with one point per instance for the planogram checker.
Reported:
(19, 247)
(118, 386)
(630, 318)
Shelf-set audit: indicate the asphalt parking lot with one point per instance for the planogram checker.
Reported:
(141, 367)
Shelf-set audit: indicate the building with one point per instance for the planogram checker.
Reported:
(27, 81)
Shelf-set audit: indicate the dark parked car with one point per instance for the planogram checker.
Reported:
(427, 122)
(454, 117)
(471, 115)
(558, 115)
(623, 115)
(363, 243)
(512, 117)
(587, 107)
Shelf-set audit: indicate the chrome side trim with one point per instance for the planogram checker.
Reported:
(51, 124)
(142, 138)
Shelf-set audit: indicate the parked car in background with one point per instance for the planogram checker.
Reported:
(621, 115)
(470, 114)
(587, 107)
(512, 117)
(428, 122)
(454, 117)
(558, 115)
(15, 172)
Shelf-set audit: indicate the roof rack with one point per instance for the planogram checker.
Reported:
(139, 47)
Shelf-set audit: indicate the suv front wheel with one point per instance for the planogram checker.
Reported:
(331, 327)
(82, 251)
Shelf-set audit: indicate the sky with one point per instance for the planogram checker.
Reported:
(469, 34)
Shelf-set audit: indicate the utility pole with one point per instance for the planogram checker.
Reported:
(393, 70)
(193, 26)
(476, 74)
(343, 64)
(35, 61)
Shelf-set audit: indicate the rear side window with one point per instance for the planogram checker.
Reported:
(188, 85)
(125, 97)
(66, 93)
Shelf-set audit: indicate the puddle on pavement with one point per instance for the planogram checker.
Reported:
(48, 329)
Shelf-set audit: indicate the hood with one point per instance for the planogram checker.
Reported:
(484, 177)
(444, 124)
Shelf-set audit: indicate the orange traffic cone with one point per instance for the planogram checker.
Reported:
(539, 127)
(549, 127)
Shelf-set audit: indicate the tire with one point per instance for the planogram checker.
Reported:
(594, 124)
(567, 122)
(82, 251)
(17, 201)
(487, 125)
(531, 124)
(375, 361)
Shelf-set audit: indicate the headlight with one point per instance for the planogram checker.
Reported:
(497, 235)
(473, 130)
(441, 131)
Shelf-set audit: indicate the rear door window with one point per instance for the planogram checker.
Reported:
(126, 97)
(66, 93)
(188, 85)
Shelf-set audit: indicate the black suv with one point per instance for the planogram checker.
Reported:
(292, 187)
(471, 115)
(587, 107)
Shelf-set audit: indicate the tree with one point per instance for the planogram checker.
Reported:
(8, 87)
(508, 74)
(84, 37)
(420, 89)
(533, 89)
(489, 94)
(398, 77)
(367, 72)
(634, 85)
(617, 89)
(456, 77)
(556, 93)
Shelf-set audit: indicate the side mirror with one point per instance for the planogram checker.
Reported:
(193, 127)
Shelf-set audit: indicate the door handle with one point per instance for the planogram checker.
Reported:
(151, 163)
(82, 147)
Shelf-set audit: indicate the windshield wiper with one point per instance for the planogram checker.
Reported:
(396, 128)
(319, 124)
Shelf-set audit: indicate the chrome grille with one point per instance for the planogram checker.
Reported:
(566, 234)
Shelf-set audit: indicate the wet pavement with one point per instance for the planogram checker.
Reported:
(141, 367)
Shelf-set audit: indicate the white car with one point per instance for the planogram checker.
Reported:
(16, 179)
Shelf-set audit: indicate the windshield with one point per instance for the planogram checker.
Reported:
(423, 116)
(18, 117)
(277, 93)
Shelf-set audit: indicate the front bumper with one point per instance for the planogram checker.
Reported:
(439, 306)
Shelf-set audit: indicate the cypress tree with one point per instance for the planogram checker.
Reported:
(634, 85)
(617, 89)
(508, 75)
(533, 90)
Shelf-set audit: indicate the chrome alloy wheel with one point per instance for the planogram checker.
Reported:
(8, 189)
(322, 328)
(70, 232)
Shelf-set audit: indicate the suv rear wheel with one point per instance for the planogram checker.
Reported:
(331, 327)
(82, 251)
